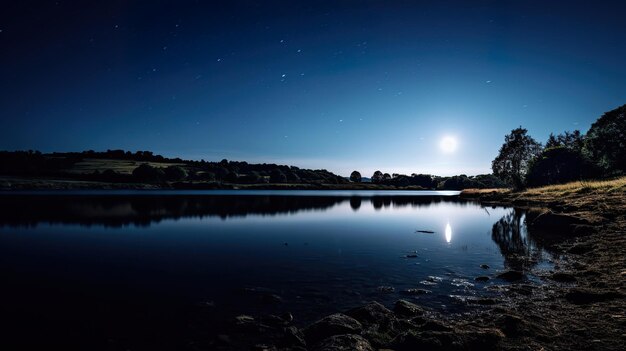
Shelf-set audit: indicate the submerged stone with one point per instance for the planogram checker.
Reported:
(386, 289)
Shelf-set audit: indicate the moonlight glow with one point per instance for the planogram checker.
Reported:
(448, 144)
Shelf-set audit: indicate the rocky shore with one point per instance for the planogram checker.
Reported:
(579, 304)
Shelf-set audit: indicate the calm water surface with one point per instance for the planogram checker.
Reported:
(122, 268)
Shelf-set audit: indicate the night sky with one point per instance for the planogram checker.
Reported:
(340, 85)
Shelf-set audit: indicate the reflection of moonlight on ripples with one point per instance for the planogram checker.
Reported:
(448, 232)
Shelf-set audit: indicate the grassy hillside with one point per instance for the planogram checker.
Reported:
(90, 165)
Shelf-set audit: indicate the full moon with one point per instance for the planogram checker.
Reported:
(448, 144)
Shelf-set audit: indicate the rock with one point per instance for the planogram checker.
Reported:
(434, 325)
(335, 324)
(415, 291)
(270, 298)
(287, 317)
(583, 297)
(412, 341)
(294, 337)
(273, 320)
(244, 319)
(563, 277)
(483, 301)
(408, 309)
(244, 322)
(511, 276)
(348, 342)
(484, 266)
(372, 313)
(511, 325)
(481, 339)
(482, 278)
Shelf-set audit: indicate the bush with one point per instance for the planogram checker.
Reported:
(558, 165)
(148, 174)
(175, 173)
(277, 177)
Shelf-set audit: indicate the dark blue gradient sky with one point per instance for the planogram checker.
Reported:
(340, 85)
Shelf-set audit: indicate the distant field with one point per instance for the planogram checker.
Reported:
(90, 165)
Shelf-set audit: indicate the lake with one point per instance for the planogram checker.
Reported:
(147, 268)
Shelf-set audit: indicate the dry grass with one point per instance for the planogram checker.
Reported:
(581, 187)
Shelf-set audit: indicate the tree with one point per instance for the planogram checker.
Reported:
(386, 176)
(572, 140)
(175, 173)
(423, 180)
(461, 182)
(147, 173)
(355, 177)
(377, 177)
(558, 164)
(277, 176)
(511, 164)
(605, 142)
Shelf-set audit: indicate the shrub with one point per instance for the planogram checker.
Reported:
(148, 174)
(175, 173)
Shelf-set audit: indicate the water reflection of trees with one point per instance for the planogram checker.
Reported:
(516, 244)
(141, 210)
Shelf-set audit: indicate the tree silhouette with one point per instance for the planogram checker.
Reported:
(605, 142)
(377, 177)
(511, 164)
(355, 176)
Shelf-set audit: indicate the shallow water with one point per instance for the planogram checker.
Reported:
(135, 265)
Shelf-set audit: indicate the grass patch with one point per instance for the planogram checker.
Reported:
(581, 187)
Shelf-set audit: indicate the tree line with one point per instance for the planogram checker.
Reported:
(521, 162)
(569, 156)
